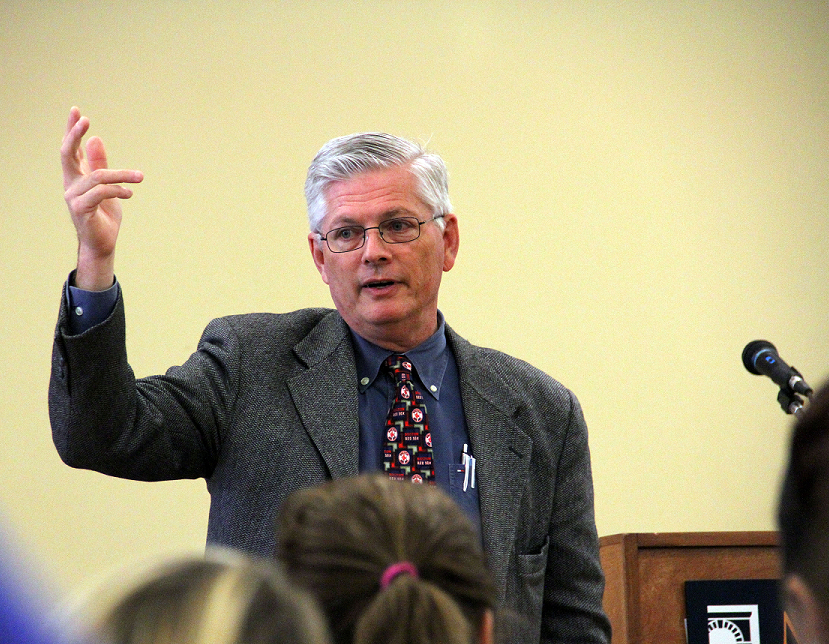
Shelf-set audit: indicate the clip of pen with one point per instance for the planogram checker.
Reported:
(468, 462)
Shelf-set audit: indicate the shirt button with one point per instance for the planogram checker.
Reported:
(433, 388)
(78, 310)
(364, 381)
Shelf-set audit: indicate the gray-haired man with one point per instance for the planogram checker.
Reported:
(271, 403)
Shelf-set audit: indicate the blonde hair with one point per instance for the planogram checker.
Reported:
(389, 562)
(223, 598)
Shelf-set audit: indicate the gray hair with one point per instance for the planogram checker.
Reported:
(347, 156)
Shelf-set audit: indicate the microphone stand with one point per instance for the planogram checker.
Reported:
(791, 402)
(789, 399)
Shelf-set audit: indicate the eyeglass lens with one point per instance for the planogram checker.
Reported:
(392, 231)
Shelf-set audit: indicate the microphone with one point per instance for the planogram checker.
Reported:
(760, 358)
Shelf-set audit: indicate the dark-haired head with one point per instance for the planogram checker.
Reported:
(389, 562)
(803, 520)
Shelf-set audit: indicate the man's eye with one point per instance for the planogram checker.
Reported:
(346, 234)
(399, 225)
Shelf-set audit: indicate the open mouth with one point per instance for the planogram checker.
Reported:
(378, 284)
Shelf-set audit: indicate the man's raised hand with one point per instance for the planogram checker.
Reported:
(92, 192)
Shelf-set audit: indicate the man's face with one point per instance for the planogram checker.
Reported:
(387, 293)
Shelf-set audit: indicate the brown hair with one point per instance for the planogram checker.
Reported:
(225, 598)
(338, 540)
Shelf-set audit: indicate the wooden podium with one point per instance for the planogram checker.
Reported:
(644, 593)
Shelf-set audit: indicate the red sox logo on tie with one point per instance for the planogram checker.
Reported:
(407, 453)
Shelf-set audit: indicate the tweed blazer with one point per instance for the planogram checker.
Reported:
(268, 404)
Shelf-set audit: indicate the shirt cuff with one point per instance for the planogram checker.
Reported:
(88, 308)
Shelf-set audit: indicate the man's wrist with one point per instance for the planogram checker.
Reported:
(94, 273)
(88, 308)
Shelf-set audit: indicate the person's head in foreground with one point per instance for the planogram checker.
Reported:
(390, 562)
(223, 598)
(803, 520)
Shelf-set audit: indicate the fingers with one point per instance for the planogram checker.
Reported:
(71, 155)
(74, 117)
(76, 127)
(104, 177)
(88, 183)
(86, 202)
(86, 193)
(96, 155)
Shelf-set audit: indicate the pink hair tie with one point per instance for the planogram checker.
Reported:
(399, 568)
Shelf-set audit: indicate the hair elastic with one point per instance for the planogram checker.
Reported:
(395, 569)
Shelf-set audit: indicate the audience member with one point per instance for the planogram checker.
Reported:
(25, 600)
(803, 519)
(223, 598)
(390, 562)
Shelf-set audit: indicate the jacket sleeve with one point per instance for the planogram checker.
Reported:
(157, 428)
(574, 583)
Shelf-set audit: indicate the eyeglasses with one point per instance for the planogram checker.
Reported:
(399, 230)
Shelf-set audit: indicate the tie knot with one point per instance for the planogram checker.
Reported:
(399, 367)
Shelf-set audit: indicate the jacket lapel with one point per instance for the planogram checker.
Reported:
(502, 451)
(325, 394)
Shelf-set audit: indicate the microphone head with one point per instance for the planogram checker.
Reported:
(752, 350)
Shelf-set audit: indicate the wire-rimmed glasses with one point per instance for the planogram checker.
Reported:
(399, 230)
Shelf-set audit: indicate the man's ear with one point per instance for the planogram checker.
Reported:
(317, 254)
(451, 241)
(804, 611)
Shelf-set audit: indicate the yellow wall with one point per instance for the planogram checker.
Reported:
(642, 189)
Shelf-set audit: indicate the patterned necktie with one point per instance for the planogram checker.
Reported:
(407, 453)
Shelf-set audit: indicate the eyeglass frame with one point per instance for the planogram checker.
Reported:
(379, 231)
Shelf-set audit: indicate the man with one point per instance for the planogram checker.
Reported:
(803, 519)
(272, 403)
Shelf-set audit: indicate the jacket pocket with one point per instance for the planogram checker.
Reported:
(534, 564)
(523, 615)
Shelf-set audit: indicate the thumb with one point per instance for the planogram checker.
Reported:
(96, 155)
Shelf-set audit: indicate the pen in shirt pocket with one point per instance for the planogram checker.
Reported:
(468, 462)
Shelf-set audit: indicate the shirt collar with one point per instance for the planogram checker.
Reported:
(429, 359)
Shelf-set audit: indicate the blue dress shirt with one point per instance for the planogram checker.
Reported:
(436, 376)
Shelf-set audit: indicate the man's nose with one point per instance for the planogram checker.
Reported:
(374, 246)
